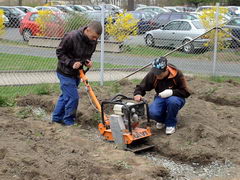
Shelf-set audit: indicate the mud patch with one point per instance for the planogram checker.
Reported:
(45, 102)
(31, 148)
(223, 101)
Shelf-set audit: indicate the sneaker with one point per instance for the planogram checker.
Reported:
(159, 125)
(170, 130)
(56, 121)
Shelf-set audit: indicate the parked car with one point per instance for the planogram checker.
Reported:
(108, 7)
(65, 9)
(54, 26)
(13, 14)
(26, 9)
(88, 7)
(234, 26)
(153, 8)
(5, 20)
(78, 8)
(176, 33)
(143, 17)
(48, 8)
(161, 19)
(234, 10)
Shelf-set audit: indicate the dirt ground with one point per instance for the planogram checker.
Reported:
(32, 148)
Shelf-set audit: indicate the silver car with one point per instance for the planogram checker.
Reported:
(178, 32)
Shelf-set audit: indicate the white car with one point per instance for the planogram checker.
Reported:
(176, 33)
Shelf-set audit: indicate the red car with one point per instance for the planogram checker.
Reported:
(53, 26)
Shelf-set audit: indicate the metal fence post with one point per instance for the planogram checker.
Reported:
(215, 41)
(102, 45)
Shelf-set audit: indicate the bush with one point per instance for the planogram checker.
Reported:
(208, 20)
(50, 24)
(2, 27)
(121, 26)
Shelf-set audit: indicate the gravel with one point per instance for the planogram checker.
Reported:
(180, 171)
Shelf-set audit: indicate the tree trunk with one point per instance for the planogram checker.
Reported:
(20, 2)
(130, 5)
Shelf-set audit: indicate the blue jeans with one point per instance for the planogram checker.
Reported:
(165, 110)
(66, 107)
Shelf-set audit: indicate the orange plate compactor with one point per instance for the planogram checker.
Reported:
(123, 125)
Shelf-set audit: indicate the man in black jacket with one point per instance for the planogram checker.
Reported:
(74, 51)
(171, 90)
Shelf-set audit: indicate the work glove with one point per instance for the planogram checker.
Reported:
(166, 93)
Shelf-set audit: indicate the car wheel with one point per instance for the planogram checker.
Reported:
(149, 40)
(189, 48)
(26, 34)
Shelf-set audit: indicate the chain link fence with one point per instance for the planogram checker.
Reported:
(28, 45)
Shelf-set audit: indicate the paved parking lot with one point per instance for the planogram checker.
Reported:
(14, 35)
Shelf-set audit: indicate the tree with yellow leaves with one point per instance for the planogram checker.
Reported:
(42, 20)
(208, 19)
(2, 27)
(121, 26)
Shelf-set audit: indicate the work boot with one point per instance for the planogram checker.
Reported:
(159, 125)
(170, 130)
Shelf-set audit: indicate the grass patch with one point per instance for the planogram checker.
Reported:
(221, 79)
(41, 89)
(23, 62)
(13, 62)
(12, 42)
(153, 51)
(6, 101)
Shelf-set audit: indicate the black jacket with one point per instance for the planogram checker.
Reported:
(175, 81)
(74, 47)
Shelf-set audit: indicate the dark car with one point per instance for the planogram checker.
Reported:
(234, 27)
(143, 17)
(13, 14)
(162, 19)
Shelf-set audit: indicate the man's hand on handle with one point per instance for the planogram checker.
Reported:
(138, 98)
(77, 65)
(89, 63)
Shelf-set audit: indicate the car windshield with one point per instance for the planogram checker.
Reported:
(55, 9)
(68, 8)
(234, 22)
(80, 8)
(32, 9)
(16, 11)
(198, 24)
(115, 7)
(94, 16)
(89, 8)
(97, 7)
(191, 17)
(137, 15)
